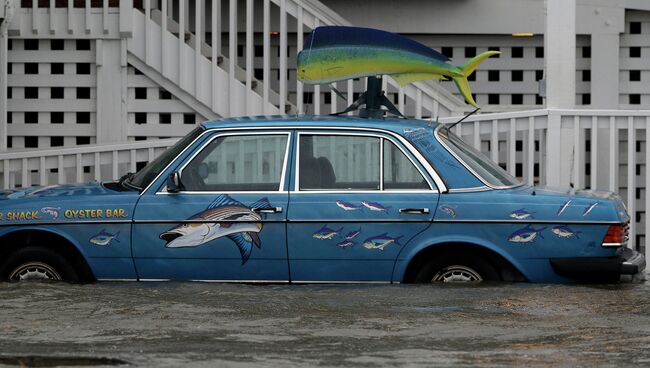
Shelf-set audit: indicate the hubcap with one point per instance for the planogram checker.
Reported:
(457, 273)
(34, 271)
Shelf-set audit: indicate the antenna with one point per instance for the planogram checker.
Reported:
(461, 120)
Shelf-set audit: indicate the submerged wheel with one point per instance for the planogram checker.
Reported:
(456, 269)
(37, 264)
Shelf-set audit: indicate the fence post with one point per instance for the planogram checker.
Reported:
(553, 154)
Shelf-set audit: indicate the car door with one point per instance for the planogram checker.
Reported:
(228, 221)
(357, 199)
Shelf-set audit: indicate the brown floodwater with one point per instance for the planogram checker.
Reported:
(199, 324)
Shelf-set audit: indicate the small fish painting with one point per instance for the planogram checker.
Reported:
(564, 206)
(352, 234)
(521, 214)
(345, 244)
(104, 238)
(325, 233)
(52, 211)
(448, 210)
(347, 206)
(564, 231)
(380, 241)
(589, 208)
(525, 235)
(374, 206)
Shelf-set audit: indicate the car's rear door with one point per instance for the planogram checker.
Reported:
(229, 220)
(356, 199)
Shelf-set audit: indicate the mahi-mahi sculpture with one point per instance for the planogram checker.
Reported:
(336, 53)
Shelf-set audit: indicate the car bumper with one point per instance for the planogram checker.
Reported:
(600, 269)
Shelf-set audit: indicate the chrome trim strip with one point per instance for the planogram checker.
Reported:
(226, 134)
(341, 282)
(117, 280)
(381, 161)
(91, 222)
(154, 280)
(415, 191)
(308, 221)
(206, 131)
(430, 170)
(225, 192)
(436, 133)
(243, 281)
(613, 245)
(527, 222)
(470, 190)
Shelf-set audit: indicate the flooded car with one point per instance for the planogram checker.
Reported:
(316, 199)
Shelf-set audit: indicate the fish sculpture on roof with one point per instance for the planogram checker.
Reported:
(336, 53)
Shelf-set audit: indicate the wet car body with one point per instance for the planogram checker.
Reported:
(320, 199)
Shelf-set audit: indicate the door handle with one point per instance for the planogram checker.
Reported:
(414, 210)
(267, 209)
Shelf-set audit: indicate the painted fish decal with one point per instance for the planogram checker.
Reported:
(448, 210)
(521, 214)
(564, 231)
(352, 234)
(52, 211)
(325, 233)
(336, 53)
(345, 244)
(525, 235)
(589, 208)
(104, 238)
(380, 241)
(564, 206)
(348, 206)
(374, 206)
(244, 233)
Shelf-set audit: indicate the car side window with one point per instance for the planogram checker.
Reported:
(339, 162)
(238, 163)
(399, 171)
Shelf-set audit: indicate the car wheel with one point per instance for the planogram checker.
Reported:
(37, 264)
(456, 269)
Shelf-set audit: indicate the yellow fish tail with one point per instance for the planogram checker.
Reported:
(467, 69)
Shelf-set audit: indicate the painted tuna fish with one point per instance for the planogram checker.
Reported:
(380, 241)
(244, 233)
(589, 208)
(345, 244)
(348, 206)
(352, 234)
(564, 206)
(325, 233)
(336, 53)
(521, 214)
(374, 206)
(448, 210)
(104, 238)
(564, 231)
(52, 211)
(525, 235)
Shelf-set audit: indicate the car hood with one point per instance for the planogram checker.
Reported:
(67, 190)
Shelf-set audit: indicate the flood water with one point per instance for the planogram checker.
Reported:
(198, 324)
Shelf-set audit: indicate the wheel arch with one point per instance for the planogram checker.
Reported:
(48, 238)
(410, 262)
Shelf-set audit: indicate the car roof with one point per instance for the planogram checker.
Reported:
(391, 124)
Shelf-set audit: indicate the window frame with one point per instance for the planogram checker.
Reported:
(296, 187)
(283, 173)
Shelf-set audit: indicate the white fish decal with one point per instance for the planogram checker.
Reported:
(521, 214)
(525, 235)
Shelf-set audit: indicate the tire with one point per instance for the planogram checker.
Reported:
(36, 263)
(456, 268)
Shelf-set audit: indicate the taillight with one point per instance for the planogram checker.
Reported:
(617, 235)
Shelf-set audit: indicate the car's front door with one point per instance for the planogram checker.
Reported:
(228, 221)
(357, 199)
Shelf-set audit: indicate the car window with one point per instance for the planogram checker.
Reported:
(331, 162)
(399, 171)
(238, 163)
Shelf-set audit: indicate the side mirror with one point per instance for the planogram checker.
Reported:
(174, 182)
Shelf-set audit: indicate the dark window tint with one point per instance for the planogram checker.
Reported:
(229, 164)
(399, 171)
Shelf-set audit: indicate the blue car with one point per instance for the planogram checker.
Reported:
(316, 199)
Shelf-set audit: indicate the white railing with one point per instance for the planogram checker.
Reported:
(70, 165)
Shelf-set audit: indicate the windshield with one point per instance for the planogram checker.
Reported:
(487, 170)
(148, 173)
